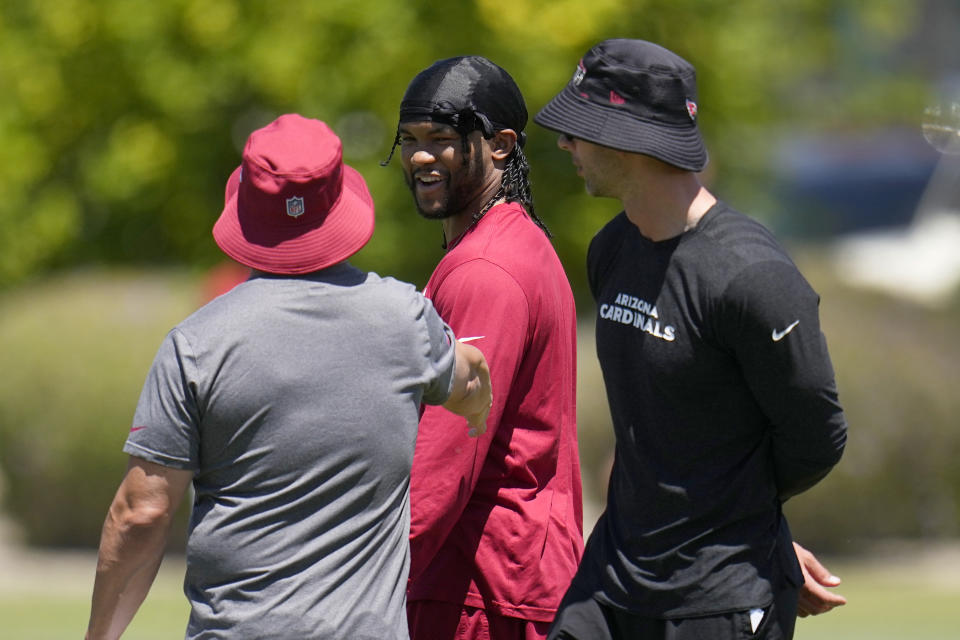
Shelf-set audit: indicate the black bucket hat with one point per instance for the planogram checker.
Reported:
(470, 93)
(634, 96)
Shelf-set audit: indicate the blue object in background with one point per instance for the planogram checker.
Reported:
(839, 184)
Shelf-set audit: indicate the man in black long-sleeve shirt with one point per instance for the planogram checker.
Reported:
(720, 385)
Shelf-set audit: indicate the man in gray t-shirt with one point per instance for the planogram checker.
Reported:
(290, 404)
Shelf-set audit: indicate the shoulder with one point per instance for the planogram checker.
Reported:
(393, 305)
(505, 235)
(732, 235)
(729, 247)
(506, 246)
(479, 277)
(389, 288)
(733, 264)
(749, 267)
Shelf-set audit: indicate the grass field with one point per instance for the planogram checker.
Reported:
(46, 596)
(899, 594)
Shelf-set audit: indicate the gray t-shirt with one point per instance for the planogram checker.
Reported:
(296, 401)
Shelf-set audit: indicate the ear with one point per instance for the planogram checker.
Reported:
(502, 144)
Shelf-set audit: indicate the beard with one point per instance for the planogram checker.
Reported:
(461, 187)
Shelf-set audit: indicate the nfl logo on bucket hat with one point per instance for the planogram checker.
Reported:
(293, 206)
(634, 96)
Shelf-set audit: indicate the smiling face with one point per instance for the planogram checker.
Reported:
(444, 180)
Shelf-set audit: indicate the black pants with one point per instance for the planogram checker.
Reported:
(580, 617)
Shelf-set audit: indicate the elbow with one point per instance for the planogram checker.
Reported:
(795, 478)
(133, 519)
(805, 459)
(838, 452)
(790, 486)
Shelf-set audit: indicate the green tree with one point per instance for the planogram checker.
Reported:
(121, 119)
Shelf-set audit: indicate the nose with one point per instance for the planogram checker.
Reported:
(565, 141)
(422, 156)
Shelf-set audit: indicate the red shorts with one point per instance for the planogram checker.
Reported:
(432, 620)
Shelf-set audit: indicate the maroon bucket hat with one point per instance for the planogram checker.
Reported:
(293, 206)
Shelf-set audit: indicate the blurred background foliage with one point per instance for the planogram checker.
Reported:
(76, 348)
(120, 121)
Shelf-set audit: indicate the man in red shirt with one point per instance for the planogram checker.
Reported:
(496, 522)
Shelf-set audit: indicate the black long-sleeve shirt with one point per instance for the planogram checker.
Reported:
(724, 404)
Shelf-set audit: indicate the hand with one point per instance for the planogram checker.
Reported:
(471, 396)
(814, 596)
(477, 421)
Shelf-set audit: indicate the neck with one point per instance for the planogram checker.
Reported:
(665, 202)
(458, 224)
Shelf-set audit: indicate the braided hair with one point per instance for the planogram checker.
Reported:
(515, 185)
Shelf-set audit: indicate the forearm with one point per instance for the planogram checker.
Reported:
(129, 557)
(770, 318)
(471, 396)
(795, 477)
(805, 452)
(132, 543)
